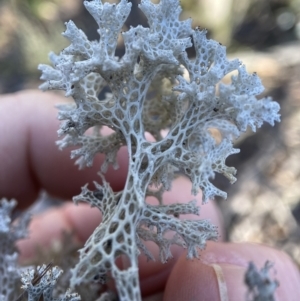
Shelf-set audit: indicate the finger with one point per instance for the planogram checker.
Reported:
(219, 275)
(47, 228)
(30, 160)
(155, 297)
(154, 274)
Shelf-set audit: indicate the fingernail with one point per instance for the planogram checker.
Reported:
(230, 278)
(221, 282)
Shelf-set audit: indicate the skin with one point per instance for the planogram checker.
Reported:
(30, 160)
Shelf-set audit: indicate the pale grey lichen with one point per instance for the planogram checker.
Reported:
(155, 86)
(45, 286)
(9, 233)
(24, 283)
(260, 285)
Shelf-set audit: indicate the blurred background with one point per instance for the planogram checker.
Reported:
(264, 205)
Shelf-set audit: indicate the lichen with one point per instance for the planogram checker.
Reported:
(10, 270)
(155, 86)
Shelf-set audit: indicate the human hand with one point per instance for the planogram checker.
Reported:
(31, 161)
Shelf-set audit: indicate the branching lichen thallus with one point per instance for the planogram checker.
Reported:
(155, 86)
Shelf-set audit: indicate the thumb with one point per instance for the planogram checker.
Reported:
(219, 274)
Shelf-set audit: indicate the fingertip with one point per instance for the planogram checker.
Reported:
(82, 219)
(181, 193)
(220, 273)
(154, 274)
(30, 158)
(191, 280)
(47, 228)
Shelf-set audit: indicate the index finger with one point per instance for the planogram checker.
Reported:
(29, 158)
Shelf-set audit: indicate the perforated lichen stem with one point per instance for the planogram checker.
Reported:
(131, 205)
(127, 282)
(127, 278)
